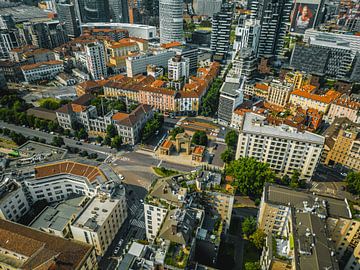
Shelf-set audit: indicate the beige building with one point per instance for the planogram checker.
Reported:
(345, 107)
(100, 221)
(279, 93)
(22, 247)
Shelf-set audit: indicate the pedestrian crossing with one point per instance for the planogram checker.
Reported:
(133, 208)
(138, 223)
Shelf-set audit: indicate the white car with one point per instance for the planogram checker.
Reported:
(141, 201)
(120, 242)
(121, 177)
(116, 250)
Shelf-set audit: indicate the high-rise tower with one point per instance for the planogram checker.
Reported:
(171, 20)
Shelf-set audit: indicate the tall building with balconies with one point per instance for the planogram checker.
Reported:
(96, 60)
(171, 21)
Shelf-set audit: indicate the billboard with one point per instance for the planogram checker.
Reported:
(303, 17)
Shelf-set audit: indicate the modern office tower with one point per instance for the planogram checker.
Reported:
(9, 39)
(221, 28)
(96, 61)
(178, 68)
(67, 16)
(119, 11)
(279, 93)
(48, 34)
(274, 19)
(93, 10)
(231, 96)
(244, 65)
(171, 21)
(283, 147)
(7, 22)
(207, 7)
(247, 34)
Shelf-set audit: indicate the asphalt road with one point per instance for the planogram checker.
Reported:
(28, 132)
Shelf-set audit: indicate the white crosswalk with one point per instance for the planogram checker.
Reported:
(138, 223)
(133, 208)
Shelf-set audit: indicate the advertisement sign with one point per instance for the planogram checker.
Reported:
(303, 17)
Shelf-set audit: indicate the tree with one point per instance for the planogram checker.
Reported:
(99, 139)
(295, 181)
(111, 131)
(250, 175)
(58, 141)
(50, 103)
(353, 182)
(81, 133)
(248, 226)
(200, 138)
(175, 131)
(252, 266)
(231, 139)
(258, 239)
(151, 126)
(116, 142)
(228, 155)
(210, 101)
(107, 140)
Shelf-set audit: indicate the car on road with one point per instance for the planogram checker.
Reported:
(121, 177)
(343, 174)
(116, 250)
(141, 201)
(78, 143)
(120, 242)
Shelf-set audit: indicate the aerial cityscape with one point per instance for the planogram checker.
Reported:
(180, 134)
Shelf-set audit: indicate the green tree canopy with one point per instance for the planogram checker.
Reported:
(210, 102)
(58, 141)
(152, 126)
(248, 226)
(258, 239)
(231, 139)
(116, 142)
(353, 182)
(200, 138)
(252, 266)
(175, 131)
(228, 155)
(250, 175)
(111, 131)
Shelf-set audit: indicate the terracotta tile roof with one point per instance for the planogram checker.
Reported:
(119, 116)
(167, 144)
(42, 249)
(42, 113)
(36, 51)
(132, 118)
(78, 108)
(69, 167)
(199, 150)
(330, 95)
(171, 45)
(37, 65)
(83, 100)
(158, 83)
(88, 85)
(348, 103)
(261, 86)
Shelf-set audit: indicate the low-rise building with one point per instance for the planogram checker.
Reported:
(284, 148)
(42, 71)
(345, 107)
(279, 93)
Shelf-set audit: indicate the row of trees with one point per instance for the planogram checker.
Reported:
(231, 142)
(152, 126)
(18, 138)
(210, 101)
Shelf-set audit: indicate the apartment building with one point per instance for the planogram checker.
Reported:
(42, 71)
(344, 107)
(26, 248)
(284, 148)
(244, 65)
(96, 60)
(100, 221)
(307, 98)
(344, 144)
(117, 51)
(231, 96)
(178, 68)
(31, 55)
(279, 93)
(247, 34)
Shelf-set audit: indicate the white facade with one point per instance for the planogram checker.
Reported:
(247, 34)
(99, 223)
(279, 93)
(178, 67)
(96, 60)
(154, 217)
(283, 147)
(42, 71)
(171, 20)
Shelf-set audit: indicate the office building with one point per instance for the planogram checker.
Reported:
(231, 96)
(100, 221)
(93, 11)
(96, 60)
(247, 34)
(42, 70)
(178, 68)
(171, 21)
(221, 28)
(119, 11)
(67, 15)
(244, 65)
(7, 22)
(274, 18)
(201, 37)
(207, 7)
(9, 39)
(284, 148)
(279, 93)
(190, 52)
(27, 248)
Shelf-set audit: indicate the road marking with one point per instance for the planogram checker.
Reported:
(159, 163)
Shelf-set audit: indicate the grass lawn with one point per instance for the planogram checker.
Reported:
(5, 143)
(163, 172)
(251, 254)
(204, 28)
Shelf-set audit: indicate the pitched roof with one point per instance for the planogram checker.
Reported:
(132, 118)
(328, 97)
(42, 249)
(40, 64)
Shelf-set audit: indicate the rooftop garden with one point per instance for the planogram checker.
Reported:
(177, 256)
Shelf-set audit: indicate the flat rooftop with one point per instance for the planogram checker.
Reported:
(295, 198)
(257, 124)
(23, 13)
(230, 89)
(95, 213)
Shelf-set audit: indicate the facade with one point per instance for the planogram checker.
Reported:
(190, 52)
(244, 65)
(96, 60)
(299, 150)
(178, 68)
(231, 96)
(9, 39)
(279, 93)
(31, 55)
(306, 98)
(201, 37)
(274, 17)
(93, 11)
(67, 15)
(344, 107)
(247, 34)
(206, 7)
(42, 71)
(119, 11)
(221, 27)
(171, 20)
(100, 221)
(26, 248)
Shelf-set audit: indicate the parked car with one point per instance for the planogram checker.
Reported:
(116, 250)
(121, 177)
